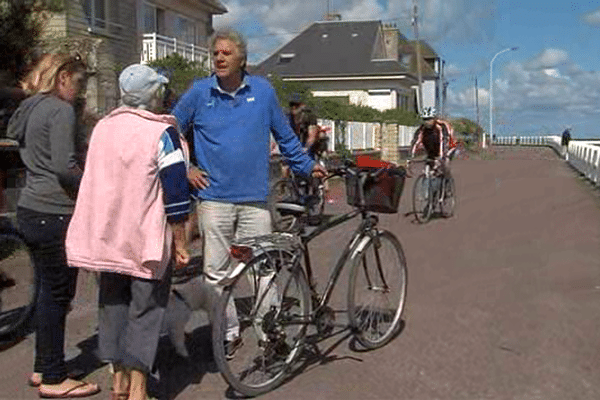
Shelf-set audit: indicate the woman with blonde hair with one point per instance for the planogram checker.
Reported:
(45, 127)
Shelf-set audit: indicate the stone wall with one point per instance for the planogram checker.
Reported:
(389, 143)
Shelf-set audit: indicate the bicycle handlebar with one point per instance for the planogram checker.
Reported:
(350, 168)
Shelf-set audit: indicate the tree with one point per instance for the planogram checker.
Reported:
(286, 90)
(338, 109)
(180, 71)
(401, 117)
(21, 24)
(470, 131)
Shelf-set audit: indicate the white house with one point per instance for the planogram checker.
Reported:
(359, 62)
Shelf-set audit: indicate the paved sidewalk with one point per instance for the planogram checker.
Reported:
(503, 301)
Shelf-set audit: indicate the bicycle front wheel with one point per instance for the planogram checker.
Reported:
(283, 191)
(377, 290)
(265, 312)
(18, 286)
(449, 200)
(422, 199)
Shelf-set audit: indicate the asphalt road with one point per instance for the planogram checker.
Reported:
(503, 302)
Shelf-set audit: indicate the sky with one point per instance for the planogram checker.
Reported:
(550, 82)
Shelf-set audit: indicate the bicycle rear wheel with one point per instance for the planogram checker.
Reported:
(422, 199)
(449, 200)
(377, 290)
(270, 302)
(18, 286)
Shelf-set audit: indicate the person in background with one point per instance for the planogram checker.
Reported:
(129, 225)
(45, 127)
(232, 114)
(303, 122)
(564, 142)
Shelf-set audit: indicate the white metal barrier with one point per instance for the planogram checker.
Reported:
(361, 135)
(156, 46)
(583, 155)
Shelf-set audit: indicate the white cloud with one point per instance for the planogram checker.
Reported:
(542, 99)
(363, 10)
(592, 18)
(549, 58)
(553, 72)
(464, 21)
(452, 71)
(269, 24)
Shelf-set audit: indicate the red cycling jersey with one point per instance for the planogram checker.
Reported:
(436, 137)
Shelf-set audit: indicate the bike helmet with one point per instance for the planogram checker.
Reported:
(428, 113)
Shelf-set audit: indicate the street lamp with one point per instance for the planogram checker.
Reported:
(491, 132)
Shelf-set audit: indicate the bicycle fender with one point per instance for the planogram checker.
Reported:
(360, 246)
(232, 275)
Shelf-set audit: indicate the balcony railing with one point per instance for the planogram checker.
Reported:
(156, 46)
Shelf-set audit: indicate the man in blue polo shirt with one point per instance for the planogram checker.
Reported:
(232, 115)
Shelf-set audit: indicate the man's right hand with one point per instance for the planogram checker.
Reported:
(197, 178)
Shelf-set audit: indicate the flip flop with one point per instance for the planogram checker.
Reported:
(72, 392)
(35, 380)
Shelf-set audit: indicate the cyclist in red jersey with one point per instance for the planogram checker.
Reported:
(436, 136)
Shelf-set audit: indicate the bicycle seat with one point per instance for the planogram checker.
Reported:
(290, 208)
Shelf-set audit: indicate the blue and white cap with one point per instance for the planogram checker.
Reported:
(138, 84)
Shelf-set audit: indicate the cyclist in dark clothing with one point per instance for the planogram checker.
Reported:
(436, 136)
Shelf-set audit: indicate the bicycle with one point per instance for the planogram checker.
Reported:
(306, 192)
(18, 284)
(275, 296)
(433, 190)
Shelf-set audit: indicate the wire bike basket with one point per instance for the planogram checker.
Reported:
(375, 188)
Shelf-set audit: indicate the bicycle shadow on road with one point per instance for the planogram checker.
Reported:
(434, 216)
(313, 356)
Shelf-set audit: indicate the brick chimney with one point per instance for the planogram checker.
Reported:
(390, 38)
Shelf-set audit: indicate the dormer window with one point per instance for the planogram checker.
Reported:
(286, 57)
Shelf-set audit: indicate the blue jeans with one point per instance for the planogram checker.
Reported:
(45, 234)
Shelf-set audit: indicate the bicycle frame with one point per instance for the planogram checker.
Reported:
(320, 300)
(367, 223)
(431, 172)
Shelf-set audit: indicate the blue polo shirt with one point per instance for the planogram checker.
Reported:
(232, 137)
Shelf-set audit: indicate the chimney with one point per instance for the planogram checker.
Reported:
(390, 38)
(333, 17)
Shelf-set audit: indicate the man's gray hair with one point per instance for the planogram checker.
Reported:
(235, 37)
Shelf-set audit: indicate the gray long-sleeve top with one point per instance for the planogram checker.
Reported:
(44, 125)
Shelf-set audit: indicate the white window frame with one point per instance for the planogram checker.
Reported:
(105, 24)
(192, 23)
(154, 17)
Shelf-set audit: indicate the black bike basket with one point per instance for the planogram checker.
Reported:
(380, 193)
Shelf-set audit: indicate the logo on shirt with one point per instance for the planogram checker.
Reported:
(210, 103)
(250, 99)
